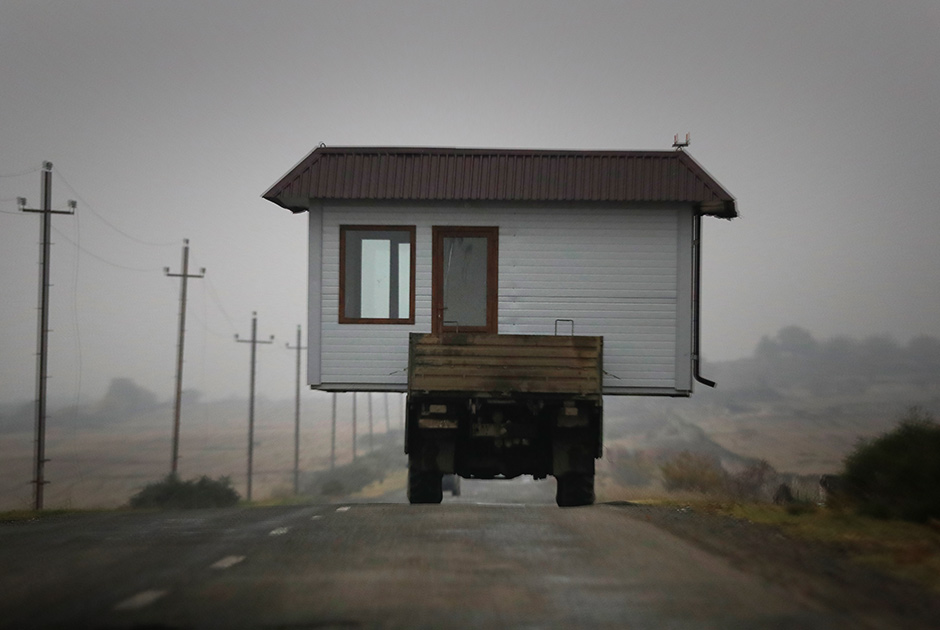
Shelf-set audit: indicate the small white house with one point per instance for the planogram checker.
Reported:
(436, 240)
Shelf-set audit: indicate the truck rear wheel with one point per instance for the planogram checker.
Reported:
(574, 489)
(424, 486)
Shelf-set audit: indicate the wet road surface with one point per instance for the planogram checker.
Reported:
(517, 562)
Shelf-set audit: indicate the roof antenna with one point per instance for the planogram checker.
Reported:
(678, 146)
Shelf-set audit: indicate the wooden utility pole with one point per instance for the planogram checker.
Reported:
(388, 423)
(355, 428)
(298, 348)
(251, 395)
(333, 435)
(42, 363)
(184, 276)
(371, 439)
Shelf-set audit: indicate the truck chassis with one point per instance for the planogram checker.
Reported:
(500, 406)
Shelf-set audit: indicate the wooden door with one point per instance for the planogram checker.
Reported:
(464, 279)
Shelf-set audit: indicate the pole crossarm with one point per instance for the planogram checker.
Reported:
(42, 342)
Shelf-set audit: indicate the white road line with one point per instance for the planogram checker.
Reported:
(345, 508)
(144, 598)
(316, 518)
(280, 531)
(227, 561)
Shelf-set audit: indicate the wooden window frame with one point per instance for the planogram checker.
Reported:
(343, 319)
(438, 233)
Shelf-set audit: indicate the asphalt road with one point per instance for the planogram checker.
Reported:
(513, 562)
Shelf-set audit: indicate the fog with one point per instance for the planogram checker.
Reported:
(168, 120)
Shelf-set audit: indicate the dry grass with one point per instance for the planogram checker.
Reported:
(907, 550)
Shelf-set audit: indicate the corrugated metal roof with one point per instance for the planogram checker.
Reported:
(444, 174)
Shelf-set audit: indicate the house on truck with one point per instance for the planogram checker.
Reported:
(423, 262)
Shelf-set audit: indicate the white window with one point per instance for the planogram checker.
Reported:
(376, 274)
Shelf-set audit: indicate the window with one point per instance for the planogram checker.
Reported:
(376, 274)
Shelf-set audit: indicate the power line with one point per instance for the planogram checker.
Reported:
(21, 174)
(99, 258)
(218, 303)
(101, 218)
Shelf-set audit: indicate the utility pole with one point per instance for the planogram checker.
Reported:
(333, 435)
(371, 440)
(184, 276)
(298, 348)
(251, 395)
(388, 423)
(355, 429)
(42, 353)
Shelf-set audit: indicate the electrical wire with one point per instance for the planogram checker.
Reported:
(88, 206)
(99, 258)
(21, 174)
(218, 303)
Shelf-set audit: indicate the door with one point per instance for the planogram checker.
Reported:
(464, 279)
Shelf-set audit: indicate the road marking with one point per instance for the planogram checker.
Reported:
(316, 518)
(227, 561)
(280, 531)
(144, 598)
(345, 508)
(513, 505)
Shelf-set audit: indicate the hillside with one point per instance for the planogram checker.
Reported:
(798, 403)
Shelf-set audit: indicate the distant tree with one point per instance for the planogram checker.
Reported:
(923, 353)
(797, 342)
(125, 398)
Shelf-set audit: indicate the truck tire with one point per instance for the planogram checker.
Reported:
(424, 486)
(574, 489)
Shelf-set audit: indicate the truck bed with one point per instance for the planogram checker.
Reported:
(505, 365)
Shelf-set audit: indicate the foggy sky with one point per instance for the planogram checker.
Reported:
(167, 120)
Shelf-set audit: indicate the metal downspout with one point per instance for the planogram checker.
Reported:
(697, 303)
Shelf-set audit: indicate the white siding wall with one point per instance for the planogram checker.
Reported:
(616, 272)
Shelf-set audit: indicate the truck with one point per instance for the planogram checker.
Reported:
(491, 406)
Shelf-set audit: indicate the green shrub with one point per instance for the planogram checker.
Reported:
(195, 493)
(898, 474)
(694, 471)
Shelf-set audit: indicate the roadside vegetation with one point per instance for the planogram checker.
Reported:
(897, 475)
(378, 470)
(883, 509)
(174, 493)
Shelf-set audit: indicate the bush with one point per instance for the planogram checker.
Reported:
(751, 483)
(693, 471)
(196, 493)
(898, 474)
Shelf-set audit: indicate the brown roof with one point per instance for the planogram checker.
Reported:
(442, 174)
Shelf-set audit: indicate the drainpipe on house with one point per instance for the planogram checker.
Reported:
(697, 303)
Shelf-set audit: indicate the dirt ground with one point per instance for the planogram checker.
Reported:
(817, 571)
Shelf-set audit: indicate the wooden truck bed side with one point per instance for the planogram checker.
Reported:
(500, 365)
